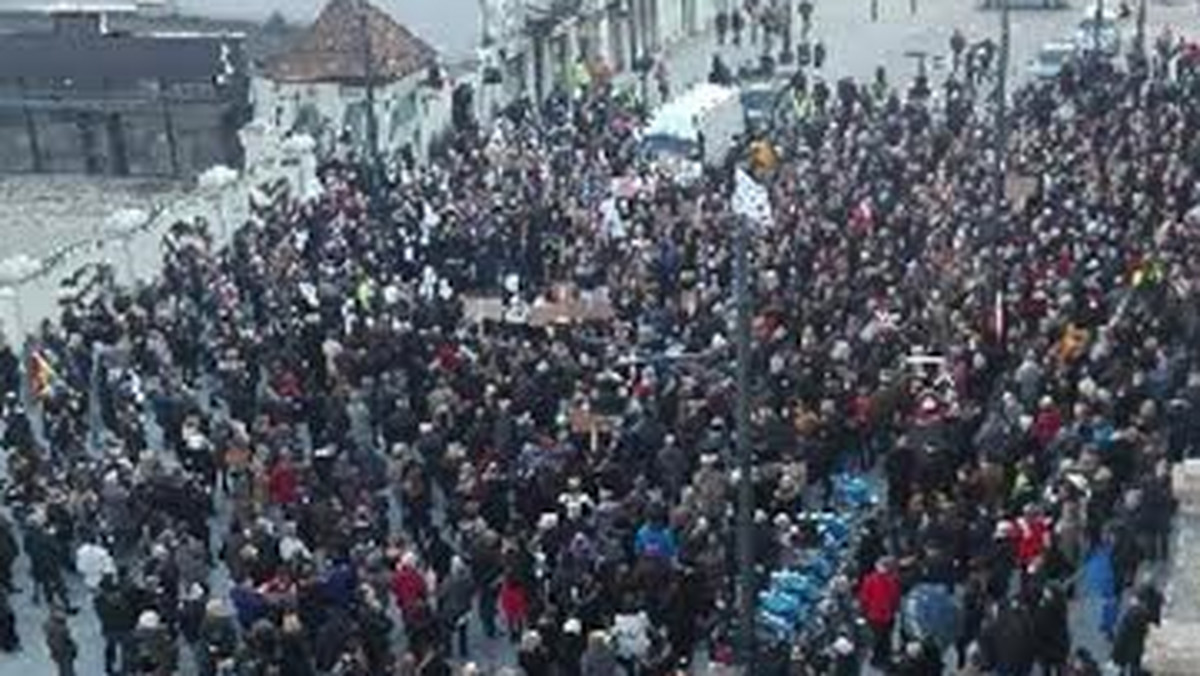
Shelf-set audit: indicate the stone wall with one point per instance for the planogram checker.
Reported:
(203, 137)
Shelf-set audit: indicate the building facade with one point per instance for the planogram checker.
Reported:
(352, 54)
(531, 46)
(81, 98)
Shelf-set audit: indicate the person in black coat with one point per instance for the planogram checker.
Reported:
(10, 373)
(117, 619)
(974, 609)
(10, 549)
(9, 640)
(1051, 632)
(1129, 644)
(1008, 642)
(919, 659)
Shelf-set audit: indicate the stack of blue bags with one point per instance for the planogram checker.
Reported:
(793, 594)
(853, 492)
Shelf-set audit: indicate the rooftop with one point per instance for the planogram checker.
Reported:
(334, 49)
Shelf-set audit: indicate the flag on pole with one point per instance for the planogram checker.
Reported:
(751, 200)
(998, 317)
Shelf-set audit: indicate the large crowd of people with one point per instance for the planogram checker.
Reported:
(309, 451)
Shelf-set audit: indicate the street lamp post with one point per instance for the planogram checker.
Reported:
(1001, 158)
(375, 170)
(1141, 29)
(745, 451)
(788, 55)
(1002, 104)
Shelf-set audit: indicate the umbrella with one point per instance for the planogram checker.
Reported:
(929, 612)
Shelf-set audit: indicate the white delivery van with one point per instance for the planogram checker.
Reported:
(697, 128)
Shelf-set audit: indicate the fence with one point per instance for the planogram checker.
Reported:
(134, 249)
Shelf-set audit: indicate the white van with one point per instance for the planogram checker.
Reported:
(699, 127)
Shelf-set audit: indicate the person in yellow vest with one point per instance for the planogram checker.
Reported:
(580, 76)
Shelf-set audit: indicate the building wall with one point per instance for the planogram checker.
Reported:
(408, 112)
(611, 32)
(82, 141)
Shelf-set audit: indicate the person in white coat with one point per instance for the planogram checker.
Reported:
(93, 561)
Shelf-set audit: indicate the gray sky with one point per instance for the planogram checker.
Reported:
(450, 25)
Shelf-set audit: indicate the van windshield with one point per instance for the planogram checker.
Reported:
(662, 145)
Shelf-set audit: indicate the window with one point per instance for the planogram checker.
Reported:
(404, 111)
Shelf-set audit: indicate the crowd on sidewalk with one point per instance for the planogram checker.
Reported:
(396, 475)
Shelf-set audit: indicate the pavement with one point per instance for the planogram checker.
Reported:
(856, 46)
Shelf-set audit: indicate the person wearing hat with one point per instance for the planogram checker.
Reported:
(154, 650)
(218, 641)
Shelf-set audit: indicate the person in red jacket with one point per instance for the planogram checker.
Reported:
(282, 482)
(514, 605)
(1033, 534)
(1047, 423)
(879, 598)
(409, 587)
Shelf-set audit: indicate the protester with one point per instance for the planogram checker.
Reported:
(59, 642)
(335, 399)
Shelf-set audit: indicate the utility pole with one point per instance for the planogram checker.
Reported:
(1140, 47)
(1002, 106)
(374, 172)
(1001, 152)
(745, 451)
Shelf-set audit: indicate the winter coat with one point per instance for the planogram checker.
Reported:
(9, 641)
(409, 588)
(61, 645)
(114, 611)
(454, 597)
(1032, 536)
(598, 662)
(1130, 641)
(1008, 641)
(154, 651)
(1051, 631)
(513, 601)
(879, 596)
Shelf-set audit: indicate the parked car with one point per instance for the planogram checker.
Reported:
(1099, 31)
(759, 100)
(698, 128)
(1051, 59)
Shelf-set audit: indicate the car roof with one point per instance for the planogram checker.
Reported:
(1107, 13)
(1058, 46)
